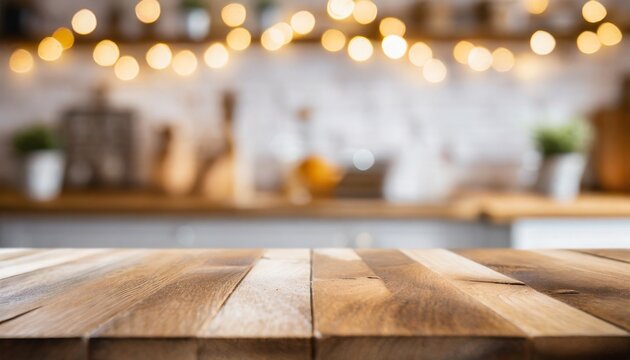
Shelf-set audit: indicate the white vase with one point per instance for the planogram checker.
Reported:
(43, 174)
(560, 176)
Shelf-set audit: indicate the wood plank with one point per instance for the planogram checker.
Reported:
(600, 291)
(7, 254)
(78, 312)
(614, 254)
(41, 260)
(375, 304)
(25, 292)
(554, 325)
(268, 315)
(182, 306)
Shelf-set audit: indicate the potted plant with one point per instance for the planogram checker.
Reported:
(42, 162)
(562, 149)
(197, 18)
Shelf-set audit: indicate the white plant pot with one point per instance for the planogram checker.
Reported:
(560, 176)
(43, 174)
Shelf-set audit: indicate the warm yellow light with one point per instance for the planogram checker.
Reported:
(502, 60)
(333, 40)
(272, 39)
(420, 53)
(65, 37)
(302, 22)
(286, 30)
(394, 46)
(126, 68)
(21, 61)
(480, 59)
(461, 51)
(360, 48)
(392, 26)
(588, 42)
(185, 63)
(536, 6)
(106, 53)
(364, 11)
(593, 11)
(234, 14)
(50, 49)
(216, 56)
(84, 22)
(434, 71)
(148, 11)
(542, 42)
(340, 9)
(239, 39)
(159, 56)
(609, 34)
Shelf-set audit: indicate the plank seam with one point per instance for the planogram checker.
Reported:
(600, 256)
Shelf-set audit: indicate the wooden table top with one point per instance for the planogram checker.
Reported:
(323, 303)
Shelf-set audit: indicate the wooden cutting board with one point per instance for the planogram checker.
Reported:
(323, 303)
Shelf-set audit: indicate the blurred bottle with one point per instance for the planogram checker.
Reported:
(175, 167)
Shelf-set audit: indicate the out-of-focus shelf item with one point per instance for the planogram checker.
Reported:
(335, 303)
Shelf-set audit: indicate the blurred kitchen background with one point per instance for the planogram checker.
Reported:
(288, 123)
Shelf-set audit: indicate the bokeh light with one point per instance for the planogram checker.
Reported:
(272, 39)
(21, 61)
(49, 49)
(238, 39)
(363, 159)
(159, 56)
(65, 37)
(588, 42)
(302, 22)
(434, 71)
(106, 53)
(364, 12)
(394, 46)
(84, 22)
(185, 63)
(536, 7)
(126, 68)
(480, 59)
(148, 11)
(593, 11)
(420, 53)
(340, 9)
(286, 30)
(234, 14)
(333, 40)
(502, 60)
(461, 51)
(542, 42)
(392, 26)
(360, 48)
(609, 34)
(216, 56)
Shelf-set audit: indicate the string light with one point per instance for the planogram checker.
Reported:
(106, 53)
(272, 39)
(234, 14)
(185, 63)
(420, 53)
(216, 56)
(542, 42)
(148, 11)
(159, 56)
(461, 51)
(480, 59)
(49, 49)
(609, 34)
(392, 26)
(21, 61)
(126, 68)
(502, 60)
(65, 37)
(340, 9)
(394, 46)
(333, 40)
(84, 22)
(434, 71)
(302, 22)
(360, 49)
(536, 7)
(286, 30)
(588, 42)
(364, 12)
(593, 11)
(238, 39)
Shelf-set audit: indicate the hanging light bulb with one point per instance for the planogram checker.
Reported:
(49, 49)
(420, 53)
(340, 9)
(302, 22)
(364, 11)
(392, 26)
(360, 49)
(148, 11)
(84, 22)
(434, 71)
(65, 37)
(126, 68)
(333, 40)
(542, 42)
(502, 60)
(394, 46)
(588, 42)
(159, 56)
(216, 56)
(593, 11)
(609, 34)
(461, 51)
(106, 53)
(234, 14)
(480, 59)
(238, 39)
(185, 63)
(21, 61)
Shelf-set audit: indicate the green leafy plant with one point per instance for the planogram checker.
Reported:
(35, 138)
(563, 139)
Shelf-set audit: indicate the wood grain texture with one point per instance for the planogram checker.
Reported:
(40, 260)
(602, 290)
(402, 303)
(613, 254)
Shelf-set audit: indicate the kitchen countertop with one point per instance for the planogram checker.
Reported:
(495, 207)
(323, 303)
